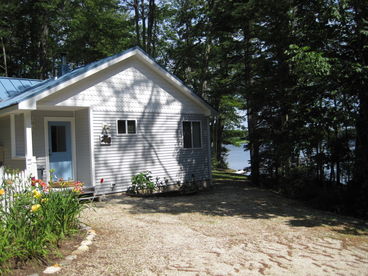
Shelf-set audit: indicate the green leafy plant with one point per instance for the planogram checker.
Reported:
(32, 222)
(142, 182)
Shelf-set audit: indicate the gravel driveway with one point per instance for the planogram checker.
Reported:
(233, 229)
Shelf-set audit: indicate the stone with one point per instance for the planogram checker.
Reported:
(65, 262)
(83, 248)
(71, 257)
(80, 250)
(86, 242)
(76, 252)
(34, 274)
(52, 269)
(90, 237)
(92, 232)
(85, 227)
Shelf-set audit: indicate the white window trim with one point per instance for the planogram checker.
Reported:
(92, 147)
(191, 130)
(126, 127)
(74, 155)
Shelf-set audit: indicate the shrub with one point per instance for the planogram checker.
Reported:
(32, 222)
(142, 181)
(300, 183)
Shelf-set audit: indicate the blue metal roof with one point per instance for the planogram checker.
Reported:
(10, 87)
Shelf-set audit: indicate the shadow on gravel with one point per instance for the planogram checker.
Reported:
(231, 195)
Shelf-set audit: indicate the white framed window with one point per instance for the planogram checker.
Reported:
(126, 127)
(192, 134)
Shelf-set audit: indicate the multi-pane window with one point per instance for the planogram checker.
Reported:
(192, 134)
(127, 127)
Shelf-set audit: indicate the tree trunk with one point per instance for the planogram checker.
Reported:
(144, 34)
(359, 185)
(43, 57)
(150, 27)
(361, 149)
(4, 57)
(338, 173)
(253, 145)
(217, 142)
(136, 19)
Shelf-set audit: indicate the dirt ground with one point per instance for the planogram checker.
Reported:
(233, 229)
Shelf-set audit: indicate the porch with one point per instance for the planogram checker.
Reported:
(39, 140)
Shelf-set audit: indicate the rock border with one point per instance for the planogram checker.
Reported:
(83, 247)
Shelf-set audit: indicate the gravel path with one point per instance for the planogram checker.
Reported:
(231, 230)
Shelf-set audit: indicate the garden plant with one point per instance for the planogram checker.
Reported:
(33, 221)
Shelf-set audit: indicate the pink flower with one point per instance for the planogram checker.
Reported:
(77, 189)
(102, 180)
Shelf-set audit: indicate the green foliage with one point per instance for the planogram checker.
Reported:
(234, 137)
(33, 221)
(299, 69)
(142, 181)
(300, 183)
(307, 64)
(35, 33)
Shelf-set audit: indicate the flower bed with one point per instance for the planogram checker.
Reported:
(33, 221)
(143, 185)
(76, 185)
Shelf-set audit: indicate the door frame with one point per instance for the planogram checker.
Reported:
(72, 134)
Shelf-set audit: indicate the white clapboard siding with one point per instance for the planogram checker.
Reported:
(5, 142)
(131, 87)
(19, 135)
(82, 143)
(156, 147)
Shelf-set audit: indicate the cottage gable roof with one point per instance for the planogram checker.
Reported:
(27, 97)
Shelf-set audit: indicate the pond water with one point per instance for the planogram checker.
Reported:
(237, 158)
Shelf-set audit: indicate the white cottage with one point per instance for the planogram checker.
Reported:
(107, 120)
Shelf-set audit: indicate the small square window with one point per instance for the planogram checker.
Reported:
(196, 128)
(127, 127)
(131, 127)
(121, 126)
(192, 134)
(187, 134)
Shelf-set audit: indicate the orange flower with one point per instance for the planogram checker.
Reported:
(2, 191)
